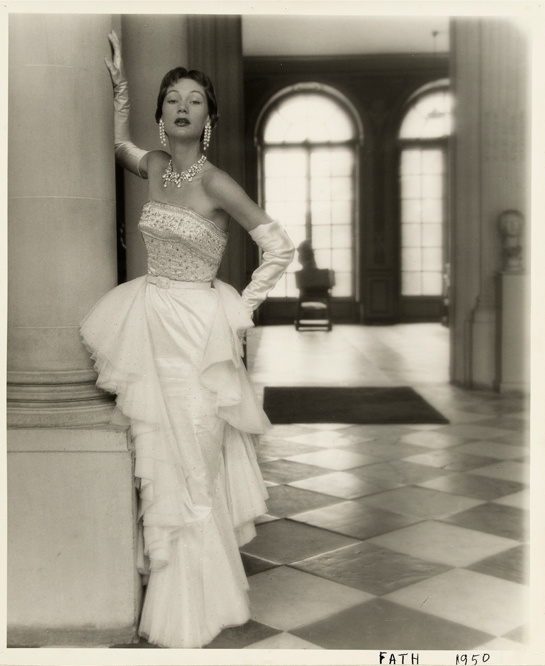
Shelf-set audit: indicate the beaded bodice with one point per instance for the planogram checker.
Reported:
(181, 244)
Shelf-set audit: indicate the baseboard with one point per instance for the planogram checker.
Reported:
(80, 637)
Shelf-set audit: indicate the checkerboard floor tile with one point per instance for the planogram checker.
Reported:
(286, 541)
(504, 521)
(419, 502)
(379, 623)
(352, 519)
(459, 595)
(480, 487)
(437, 541)
(334, 459)
(344, 485)
(510, 565)
(371, 568)
(285, 598)
(286, 641)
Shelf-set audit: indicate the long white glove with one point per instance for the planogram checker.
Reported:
(278, 252)
(127, 154)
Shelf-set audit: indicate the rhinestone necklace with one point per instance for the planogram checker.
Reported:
(171, 176)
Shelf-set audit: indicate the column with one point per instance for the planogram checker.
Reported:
(489, 173)
(61, 210)
(72, 577)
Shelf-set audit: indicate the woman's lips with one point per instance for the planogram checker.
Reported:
(181, 122)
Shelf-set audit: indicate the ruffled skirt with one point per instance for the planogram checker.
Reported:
(171, 354)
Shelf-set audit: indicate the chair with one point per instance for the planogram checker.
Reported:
(314, 302)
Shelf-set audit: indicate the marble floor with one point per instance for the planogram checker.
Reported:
(397, 537)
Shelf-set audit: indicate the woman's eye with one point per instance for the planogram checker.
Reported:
(196, 101)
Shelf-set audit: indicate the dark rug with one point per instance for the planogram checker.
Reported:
(359, 404)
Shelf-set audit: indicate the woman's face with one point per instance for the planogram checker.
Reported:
(185, 110)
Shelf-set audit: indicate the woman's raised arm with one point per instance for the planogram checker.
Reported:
(128, 155)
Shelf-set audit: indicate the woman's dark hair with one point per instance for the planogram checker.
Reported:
(172, 77)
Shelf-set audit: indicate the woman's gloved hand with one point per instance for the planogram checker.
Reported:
(278, 252)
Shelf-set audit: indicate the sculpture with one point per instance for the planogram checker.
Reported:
(511, 224)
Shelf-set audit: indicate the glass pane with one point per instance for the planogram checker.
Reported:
(331, 162)
(432, 210)
(284, 162)
(318, 130)
(321, 236)
(432, 235)
(320, 163)
(274, 189)
(291, 289)
(341, 260)
(340, 125)
(432, 284)
(320, 212)
(411, 284)
(432, 187)
(411, 259)
(343, 284)
(276, 127)
(341, 236)
(341, 212)
(411, 235)
(430, 104)
(292, 108)
(297, 234)
(342, 162)
(323, 258)
(411, 161)
(341, 188)
(294, 215)
(320, 189)
(434, 126)
(432, 161)
(295, 189)
(432, 259)
(277, 210)
(411, 187)
(412, 125)
(299, 131)
(411, 210)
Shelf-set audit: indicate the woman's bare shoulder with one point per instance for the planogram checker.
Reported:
(218, 184)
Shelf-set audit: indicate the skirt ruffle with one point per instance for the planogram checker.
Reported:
(172, 356)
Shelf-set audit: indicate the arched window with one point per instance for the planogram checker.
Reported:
(423, 136)
(307, 138)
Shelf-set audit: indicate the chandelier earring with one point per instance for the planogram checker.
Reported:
(162, 135)
(207, 135)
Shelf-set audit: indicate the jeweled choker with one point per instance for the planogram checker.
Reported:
(171, 176)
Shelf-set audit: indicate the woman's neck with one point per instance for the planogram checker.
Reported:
(184, 155)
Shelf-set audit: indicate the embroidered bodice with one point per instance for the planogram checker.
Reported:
(181, 244)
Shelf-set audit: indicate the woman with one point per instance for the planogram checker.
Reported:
(168, 344)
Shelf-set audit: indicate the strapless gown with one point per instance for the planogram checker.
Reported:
(168, 345)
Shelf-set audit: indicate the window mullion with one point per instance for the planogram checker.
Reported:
(308, 212)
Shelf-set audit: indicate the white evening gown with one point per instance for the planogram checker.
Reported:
(168, 345)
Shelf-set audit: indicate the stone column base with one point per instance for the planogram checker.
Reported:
(72, 539)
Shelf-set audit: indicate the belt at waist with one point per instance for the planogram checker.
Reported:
(167, 283)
